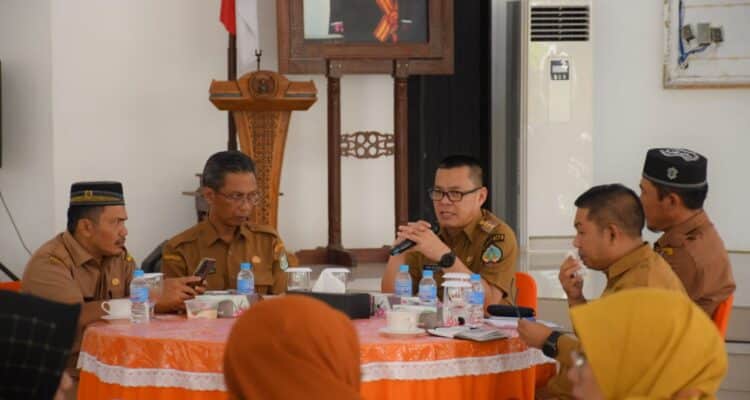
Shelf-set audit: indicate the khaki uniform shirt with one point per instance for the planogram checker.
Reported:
(698, 257)
(640, 268)
(63, 271)
(257, 244)
(487, 246)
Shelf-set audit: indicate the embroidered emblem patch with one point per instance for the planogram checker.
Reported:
(492, 254)
(283, 262)
(685, 154)
(672, 173)
(115, 282)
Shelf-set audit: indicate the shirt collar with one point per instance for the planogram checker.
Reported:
(209, 235)
(674, 236)
(629, 261)
(468, 230)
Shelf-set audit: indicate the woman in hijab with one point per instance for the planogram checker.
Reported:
(292, 347)
(36, 336)
(646, 344)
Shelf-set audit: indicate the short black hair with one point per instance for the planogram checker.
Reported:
(77, 213)
(222, 163)
(462, 160)
(614, 204)
(693, 199)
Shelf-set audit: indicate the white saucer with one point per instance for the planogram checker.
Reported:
(109, 317)
(399, 333)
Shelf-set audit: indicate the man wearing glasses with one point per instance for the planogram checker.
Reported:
(470, 239)
(231, 190)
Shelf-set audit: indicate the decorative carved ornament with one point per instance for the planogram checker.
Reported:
(366, 145)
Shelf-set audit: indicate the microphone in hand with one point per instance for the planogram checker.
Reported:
(408, 244)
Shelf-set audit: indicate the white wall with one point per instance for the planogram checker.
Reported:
(119, 90)
(632, 112)
(130, 102)
(26, 173)
(366, 185)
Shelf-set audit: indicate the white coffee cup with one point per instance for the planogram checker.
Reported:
(117, 307)
(399, 320)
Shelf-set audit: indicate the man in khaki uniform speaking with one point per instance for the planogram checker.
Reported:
(470, 240)
(608, 225)
(673, 189)
(231, 190)
(88, 263)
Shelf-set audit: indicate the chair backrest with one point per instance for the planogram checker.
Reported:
(13, 286)
(526, 288)
(721, 315)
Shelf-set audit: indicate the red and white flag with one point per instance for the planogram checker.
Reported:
(240, 17)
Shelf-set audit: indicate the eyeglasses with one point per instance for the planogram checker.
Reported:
(453, 195)
(239, 198)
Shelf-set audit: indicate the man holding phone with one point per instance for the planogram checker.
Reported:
(231, 190)
(88, 263)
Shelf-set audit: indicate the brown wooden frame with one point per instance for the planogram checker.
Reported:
(337, 58)
(300, 56)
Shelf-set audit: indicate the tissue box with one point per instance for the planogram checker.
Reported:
(355, 305)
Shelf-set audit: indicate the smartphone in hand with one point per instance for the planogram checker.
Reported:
(206, 266)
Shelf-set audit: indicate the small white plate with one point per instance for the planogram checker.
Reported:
(399, 333)
(109, 317)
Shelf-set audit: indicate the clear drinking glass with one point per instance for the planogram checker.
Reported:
(155, 289)
(298, 279)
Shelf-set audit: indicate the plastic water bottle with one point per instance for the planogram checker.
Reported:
(403, 282)
(139, 310)
(427, 289)
(246, 279)
(476, 301)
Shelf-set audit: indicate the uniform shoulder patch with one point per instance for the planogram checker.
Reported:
(171, 257)
(492, 254)
(498, 237)
(55, 260)
(283, 261)
(487, 225)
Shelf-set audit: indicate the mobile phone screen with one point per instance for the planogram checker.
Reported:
(205, 267)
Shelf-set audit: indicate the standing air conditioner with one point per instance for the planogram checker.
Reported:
(556, 123)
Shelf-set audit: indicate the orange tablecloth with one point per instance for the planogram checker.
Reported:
(173, 358)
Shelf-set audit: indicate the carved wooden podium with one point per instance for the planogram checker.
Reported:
(261, 103)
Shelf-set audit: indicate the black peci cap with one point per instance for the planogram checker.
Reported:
(678, 168)
(96, 194)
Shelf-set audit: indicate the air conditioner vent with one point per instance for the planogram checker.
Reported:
(559, 24)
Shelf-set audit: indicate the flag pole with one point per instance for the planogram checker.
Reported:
(231, 75)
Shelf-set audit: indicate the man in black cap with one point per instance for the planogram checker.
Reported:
(88, 263)
(673, 189)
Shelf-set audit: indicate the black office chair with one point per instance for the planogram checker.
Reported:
(152, 262)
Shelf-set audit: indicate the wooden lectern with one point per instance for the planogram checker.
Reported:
(261, 103)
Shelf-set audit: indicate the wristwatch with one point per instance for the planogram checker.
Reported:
(447, 260)
(550, 344)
